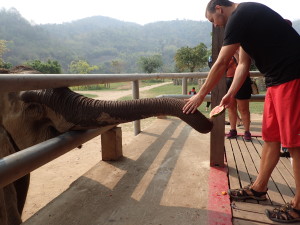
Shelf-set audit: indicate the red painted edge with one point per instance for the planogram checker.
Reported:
(218, 206)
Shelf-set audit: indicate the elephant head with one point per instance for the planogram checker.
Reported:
(30, 117)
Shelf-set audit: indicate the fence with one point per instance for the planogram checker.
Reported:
(23, 162)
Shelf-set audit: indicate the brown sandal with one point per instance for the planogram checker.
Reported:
(284, 214)
(247, 193)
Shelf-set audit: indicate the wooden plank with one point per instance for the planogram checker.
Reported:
(232, 171)
(242, 171)
(111, 142)
(254, 213)
(284, 170)
(252, 150)
(287, 163)
(251, 207)
(283, 178)
(275, 190)
(246, 148)
(241, 168)
(245, 222)
(251, 216)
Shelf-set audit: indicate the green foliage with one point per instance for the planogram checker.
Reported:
(117, 66)
(49, 67)
(3, 49)
(150, 64)
(81, 67)
(6, 65)
(191, 58)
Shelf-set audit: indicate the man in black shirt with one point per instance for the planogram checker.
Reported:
(268, 40)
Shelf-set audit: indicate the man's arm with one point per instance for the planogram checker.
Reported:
(215, 74)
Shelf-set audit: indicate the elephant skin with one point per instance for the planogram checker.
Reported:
(30, 117)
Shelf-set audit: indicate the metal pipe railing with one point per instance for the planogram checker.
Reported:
(19, 164)
(21, 82)
(254, 98)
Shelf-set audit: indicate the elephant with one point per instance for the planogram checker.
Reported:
(30, 117)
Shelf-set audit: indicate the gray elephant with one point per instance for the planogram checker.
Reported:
(30, 117)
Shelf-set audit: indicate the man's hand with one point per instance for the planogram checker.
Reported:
(192, 104)
(227, 101)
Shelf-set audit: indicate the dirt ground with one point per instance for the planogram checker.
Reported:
(52, 179)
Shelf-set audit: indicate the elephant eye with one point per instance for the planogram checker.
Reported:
(34, 110)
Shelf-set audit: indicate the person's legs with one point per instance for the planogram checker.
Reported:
(242, 97)
(243, 107)
(232, 115)
(207, 106)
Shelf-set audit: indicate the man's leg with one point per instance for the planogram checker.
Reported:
(269, 159)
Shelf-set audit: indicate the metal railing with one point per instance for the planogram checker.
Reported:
(21, 163)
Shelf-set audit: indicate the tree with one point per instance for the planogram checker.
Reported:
(4, 49)
(49, 67)
(191, 58)
(81, 67)
(6, 65)
(150, 64)
(117, 66)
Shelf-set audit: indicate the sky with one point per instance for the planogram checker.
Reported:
(137, 11)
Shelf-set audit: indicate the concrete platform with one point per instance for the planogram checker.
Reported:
(162, 179)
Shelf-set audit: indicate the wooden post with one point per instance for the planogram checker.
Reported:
(217, 141)
(111, 142)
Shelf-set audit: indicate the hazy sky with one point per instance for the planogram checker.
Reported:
(138, 11)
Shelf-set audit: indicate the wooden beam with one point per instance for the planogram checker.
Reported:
(217, 134)
(111, 142)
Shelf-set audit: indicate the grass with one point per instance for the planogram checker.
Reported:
(90, 96)
(255, 107)
(121, 86)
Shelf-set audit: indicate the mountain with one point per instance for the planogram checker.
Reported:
(99, 40)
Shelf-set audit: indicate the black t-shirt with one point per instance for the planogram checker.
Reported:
(268, 39)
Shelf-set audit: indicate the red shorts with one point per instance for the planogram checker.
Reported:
(281, 119)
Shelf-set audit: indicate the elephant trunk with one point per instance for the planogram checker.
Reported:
(86, 113)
